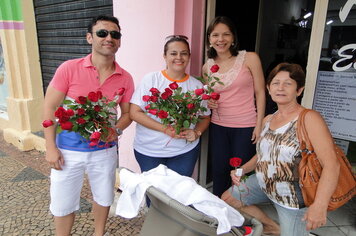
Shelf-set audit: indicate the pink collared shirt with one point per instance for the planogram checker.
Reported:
(78, 77)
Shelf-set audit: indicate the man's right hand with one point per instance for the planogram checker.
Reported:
(54, 158)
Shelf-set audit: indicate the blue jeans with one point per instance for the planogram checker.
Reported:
(290, 220)
(183, 164)
(224, 143)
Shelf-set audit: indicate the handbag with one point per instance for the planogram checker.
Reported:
(310, 171)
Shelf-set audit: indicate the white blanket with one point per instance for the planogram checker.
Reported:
(180, 188)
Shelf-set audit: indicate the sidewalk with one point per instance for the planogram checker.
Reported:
(24, 199)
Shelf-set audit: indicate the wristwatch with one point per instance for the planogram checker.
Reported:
(119, 131)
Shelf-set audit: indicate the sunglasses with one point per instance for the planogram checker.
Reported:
(176, 36)
(104, 33)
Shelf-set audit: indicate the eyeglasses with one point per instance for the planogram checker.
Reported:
(104, 33)
(176, 36)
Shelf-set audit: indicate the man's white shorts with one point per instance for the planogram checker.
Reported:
(66, 184)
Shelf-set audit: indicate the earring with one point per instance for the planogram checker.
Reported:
(233, 44)
(210, 46)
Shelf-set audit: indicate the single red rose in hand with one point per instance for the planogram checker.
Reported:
(153, 99)
(80, 111)
(214, 68)
(99, 94)
(215, 96)
(93, 96)
(70, 112)
(95, 135)
(67, 125)
(235, 161)
(81, 100)
(97, 108)
(146, 98)
(121, 91)
(190, 106)
(162, 114)
(205, 97)
(154, 91)
(47, 123)
(173, 85)
(153, 111)
(147, 107)
(81, 121)
(60, 112)
(199, 91)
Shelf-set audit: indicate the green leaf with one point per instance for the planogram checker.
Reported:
(58, 129)
(186, 124)
(67, 102)
(103, 114)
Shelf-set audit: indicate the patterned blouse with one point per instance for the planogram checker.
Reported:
(277, 165)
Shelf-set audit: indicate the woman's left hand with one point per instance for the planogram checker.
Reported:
(189, 134)
(315, 217)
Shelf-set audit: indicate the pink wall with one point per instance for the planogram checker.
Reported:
(145, 24)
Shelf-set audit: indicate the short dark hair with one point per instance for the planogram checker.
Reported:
(175, 38)
(234, 49)
(295, 72)
(102, 18)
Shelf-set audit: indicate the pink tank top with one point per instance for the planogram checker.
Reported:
(237, 101)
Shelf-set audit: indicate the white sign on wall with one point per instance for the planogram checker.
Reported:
(335, 99)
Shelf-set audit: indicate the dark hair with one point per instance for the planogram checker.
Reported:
(102, 18)
(295, 72)
(175, 38)
(234, 49)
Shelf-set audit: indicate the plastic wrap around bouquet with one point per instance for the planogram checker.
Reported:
(92, 116)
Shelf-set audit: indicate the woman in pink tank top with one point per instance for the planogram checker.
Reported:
(237, 116)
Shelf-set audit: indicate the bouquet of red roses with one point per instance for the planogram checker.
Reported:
(93, 116)
(177, 108)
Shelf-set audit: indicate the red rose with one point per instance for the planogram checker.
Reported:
(81, 121)
(97, 108)
(154, 91)
(165, 95)
(173, 85)
(146, 98)
(121, 91)
(248, 230)
(147, 107)
(95, 135)
(63, 119)
(162, 114)
(190, 106)
(215, 96)
(167, 90)
(70, 112)
(93, 143)
(47, 123)
(66, 125)
(154, 98)
(93, 96)
(199, 91)
(60, 112)
(205, 97)
(235, 161)
(80, 111)
(99, 94)
(153, 111)
(81, 100)
(214, 68)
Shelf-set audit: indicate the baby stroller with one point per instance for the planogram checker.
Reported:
(168, 217)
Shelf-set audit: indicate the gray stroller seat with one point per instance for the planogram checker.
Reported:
(168, 217)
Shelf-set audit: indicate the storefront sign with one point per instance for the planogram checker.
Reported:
(335, 99)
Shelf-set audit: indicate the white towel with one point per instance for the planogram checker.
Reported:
(180, 188)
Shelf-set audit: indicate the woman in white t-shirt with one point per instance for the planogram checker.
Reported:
(154, 142)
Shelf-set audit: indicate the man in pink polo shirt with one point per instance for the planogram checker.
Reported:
(68, 154)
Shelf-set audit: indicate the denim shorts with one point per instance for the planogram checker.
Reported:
(290, 220)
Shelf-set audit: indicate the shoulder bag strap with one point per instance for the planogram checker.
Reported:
(302, 133)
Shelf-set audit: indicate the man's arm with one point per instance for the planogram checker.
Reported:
(53, 99)
(124, 121)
